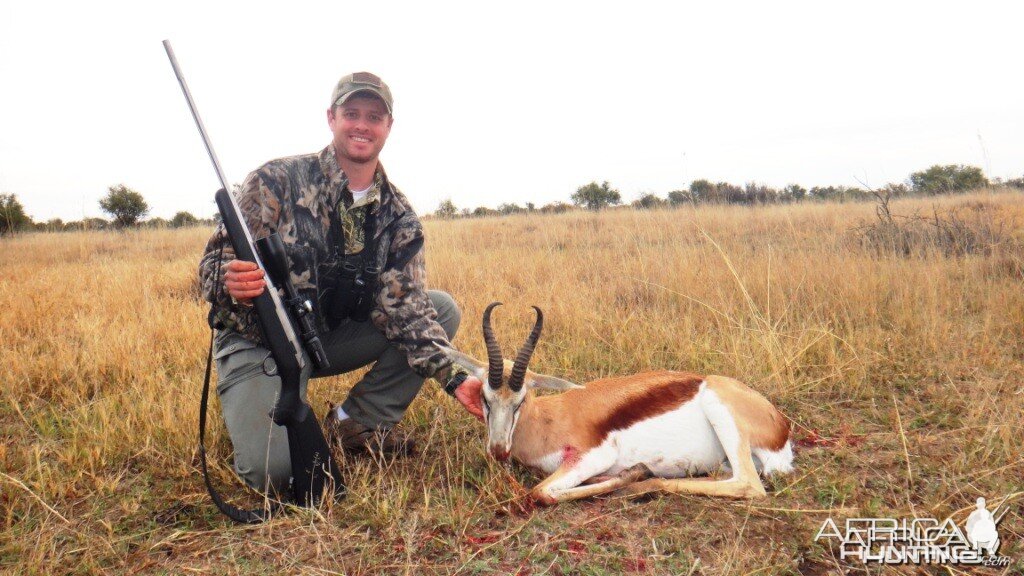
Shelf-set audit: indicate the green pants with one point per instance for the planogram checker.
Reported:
(248, 385)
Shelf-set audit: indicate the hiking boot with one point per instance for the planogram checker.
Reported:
(353, 438)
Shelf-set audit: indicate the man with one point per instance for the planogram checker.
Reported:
(355, 248)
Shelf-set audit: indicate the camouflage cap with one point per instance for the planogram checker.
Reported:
(361, 82)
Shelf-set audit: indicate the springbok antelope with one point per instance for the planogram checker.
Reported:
(616, 433)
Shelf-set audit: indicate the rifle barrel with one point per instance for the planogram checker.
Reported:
(195, 115)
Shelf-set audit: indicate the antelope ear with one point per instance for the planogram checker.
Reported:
(475, 367)
(535, 380)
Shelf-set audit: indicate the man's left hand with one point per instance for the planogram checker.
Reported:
(468, 394)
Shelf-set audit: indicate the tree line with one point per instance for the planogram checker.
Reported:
(127, 208)
(938, 179)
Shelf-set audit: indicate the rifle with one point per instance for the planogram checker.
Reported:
(314, 471)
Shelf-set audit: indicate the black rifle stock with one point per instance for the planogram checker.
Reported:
(313, 468)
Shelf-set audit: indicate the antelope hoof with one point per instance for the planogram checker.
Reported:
(541, 498)
(755, 493)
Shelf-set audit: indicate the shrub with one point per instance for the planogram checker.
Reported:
(125, 205)
(1016, 183)
(506, 209)
(596, 196)
(555, 208)
(648, 201)
(949, 178)
(966, 229)
(183, 219)
(12, 215)
(446, 209)
(703, 191)
(793, 193)
(677, 197)
(481, 211)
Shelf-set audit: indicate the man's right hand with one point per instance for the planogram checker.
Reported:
(468, 394)
(243, 280)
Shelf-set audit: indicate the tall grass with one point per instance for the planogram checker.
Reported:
(904, 369)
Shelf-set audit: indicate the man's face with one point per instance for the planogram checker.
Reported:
(361, 127)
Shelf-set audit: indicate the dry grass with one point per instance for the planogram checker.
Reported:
(909, 367)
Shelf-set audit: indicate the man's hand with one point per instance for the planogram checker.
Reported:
(468, 394)
(244, 281)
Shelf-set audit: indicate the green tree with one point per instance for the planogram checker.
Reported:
(794, 193)
(679, 197)
(447, 209)
(12, 215)
(648, 201)
(512, 208)
(950, 178)
(95, 224)
(728, 193)
(183, 219)
(556, 207)
(481, 211)
(595, 197)
(125, 205)
(703, 191)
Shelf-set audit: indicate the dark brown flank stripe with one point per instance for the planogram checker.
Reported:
(650, 403)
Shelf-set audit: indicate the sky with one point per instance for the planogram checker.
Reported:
(506, 102)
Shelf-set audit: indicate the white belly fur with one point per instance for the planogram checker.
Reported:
(674, 444)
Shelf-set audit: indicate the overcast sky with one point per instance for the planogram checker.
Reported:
(507, 102)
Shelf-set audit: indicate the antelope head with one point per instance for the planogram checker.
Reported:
(508, 386)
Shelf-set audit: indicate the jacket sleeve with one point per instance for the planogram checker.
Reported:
(259, 208)
(218, 252)
(405, 313)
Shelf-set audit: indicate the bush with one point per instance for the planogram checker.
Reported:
(754, 193)
(183, 219)
(52, 225)
(481, 211)
(506, 209)
(703, 191)
(555, 208)
(12, 215)
(595, 197)
(972, 228)
(649, 201)
(949, 178)
(838, 193)
(793, 193)
(729, 193)
(1016, 183)
(446, 209)
(678, 197)
(126, 206)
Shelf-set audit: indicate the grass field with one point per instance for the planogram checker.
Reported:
(903, 375)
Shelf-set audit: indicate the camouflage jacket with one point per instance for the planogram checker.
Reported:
(300, 197)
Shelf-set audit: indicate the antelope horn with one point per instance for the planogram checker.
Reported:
(495, 364)
(515, 380)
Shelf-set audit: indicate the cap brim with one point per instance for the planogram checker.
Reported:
(363, 91)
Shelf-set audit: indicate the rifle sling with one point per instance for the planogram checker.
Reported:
(313, 468)
(237, 514)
